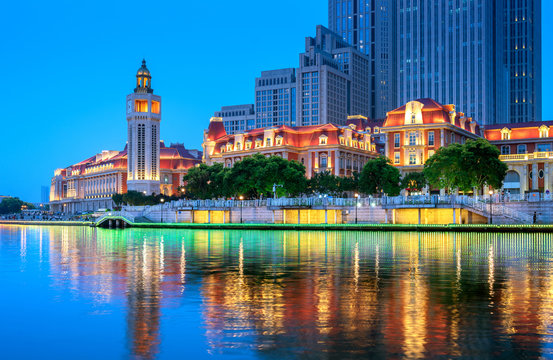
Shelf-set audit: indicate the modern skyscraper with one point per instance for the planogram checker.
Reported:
(333, 80)
(367, 25)
(143, 147)
(522, 44)
(275, 98)
(446, 51)
(237, 118)
(483, 55)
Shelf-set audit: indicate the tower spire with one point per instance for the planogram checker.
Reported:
(143, 80)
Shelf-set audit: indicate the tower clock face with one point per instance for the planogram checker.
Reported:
(129, 106)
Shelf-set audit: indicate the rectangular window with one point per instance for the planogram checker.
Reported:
(544, 147)
(505, 150)
(521, 149)
(412, 158)
(412, 138)
(324, 162)
(396, 140)
(396, 157)
(431, 138)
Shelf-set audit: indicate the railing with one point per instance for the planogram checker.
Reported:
(531, 156)
(123, 214)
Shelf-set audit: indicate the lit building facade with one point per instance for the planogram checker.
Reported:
(340, 150)
(237, 118)
(416, 130)
(275, 98)
(143, 120)
(527, 150)
(145, 165)
(367, 25)
(333, 81)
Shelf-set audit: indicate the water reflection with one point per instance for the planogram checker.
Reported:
(291, 294)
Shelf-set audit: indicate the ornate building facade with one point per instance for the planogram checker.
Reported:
(527, 149)
(417, 129)
(340, 150)
(145, 164)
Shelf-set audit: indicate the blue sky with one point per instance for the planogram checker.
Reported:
(68, 65)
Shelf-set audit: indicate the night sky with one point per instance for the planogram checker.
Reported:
(66, 67)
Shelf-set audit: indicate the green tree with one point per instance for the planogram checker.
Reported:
(117, 199)
(11, 205)
(444, 169)
(472, 165)
(414, 181)
(325, 183)
(481, 161)
(379, 177)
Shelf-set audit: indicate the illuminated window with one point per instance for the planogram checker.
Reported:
(141, 105)
(278, 140)
(258, 143)
(396, 157)
(430, 153)
(505, 134)
(544, 131)
(238, 146)
(412, 138)
(342, 140)
(156, 109)
(412, 158)
(268, 141)
(396, 140)
(248, 145)
(323, 139)
(223, 149)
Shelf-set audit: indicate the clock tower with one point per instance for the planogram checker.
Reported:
(143, 120)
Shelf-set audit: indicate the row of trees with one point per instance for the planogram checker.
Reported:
(12, 205)
(137, 198)
(465, 167)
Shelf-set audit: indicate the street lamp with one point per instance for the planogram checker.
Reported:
(491, 207)
(162, 201)
(241, 206)
(356, 205)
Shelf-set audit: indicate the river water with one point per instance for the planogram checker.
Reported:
(85, 293)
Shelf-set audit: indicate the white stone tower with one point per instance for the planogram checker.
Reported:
(143, 119)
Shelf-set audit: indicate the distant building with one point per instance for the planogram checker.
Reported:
(237, 118)
(145, 165)
(367, 25)
(44, 194)
(332, 80)
(275, 98)
(338, 149)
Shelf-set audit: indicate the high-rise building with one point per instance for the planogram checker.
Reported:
(367, 25)
(522, 44)
(446, 50)
(332, 80)
(237, 118)
(143, 120)
(275, 98)
(483, 55)
(44, 194)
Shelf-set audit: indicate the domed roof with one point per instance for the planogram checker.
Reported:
(143, 71)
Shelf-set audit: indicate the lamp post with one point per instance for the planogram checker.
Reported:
(241, 206)
(356, 205)
(162, 201)
(491, 207)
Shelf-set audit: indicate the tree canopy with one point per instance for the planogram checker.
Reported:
(414, 181)
(12, 205)
(471, 165)
(379, 177)
(252, 177)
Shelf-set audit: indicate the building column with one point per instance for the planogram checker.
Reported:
(546, 185)
(535, 176)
